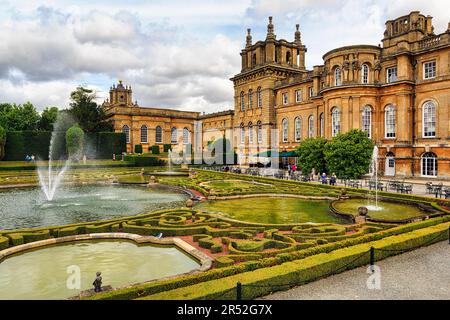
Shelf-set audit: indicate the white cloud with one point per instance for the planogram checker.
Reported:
(174, 54)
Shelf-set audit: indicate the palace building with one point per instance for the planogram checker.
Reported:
(398, 92)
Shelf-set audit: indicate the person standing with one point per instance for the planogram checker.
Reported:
(333, 179)
(324, 178)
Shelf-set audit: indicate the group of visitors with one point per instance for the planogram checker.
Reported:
(291, 168)
(325, 179)
(29, 158)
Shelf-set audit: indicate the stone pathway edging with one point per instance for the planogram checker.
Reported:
(205, 260)
(271, 195)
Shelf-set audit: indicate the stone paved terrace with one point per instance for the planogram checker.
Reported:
(420, 274)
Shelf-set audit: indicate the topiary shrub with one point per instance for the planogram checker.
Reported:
(138, 148)
(154, 149)
(74, 142)
(167, 147)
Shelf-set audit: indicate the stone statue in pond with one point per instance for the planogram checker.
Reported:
(98, 282)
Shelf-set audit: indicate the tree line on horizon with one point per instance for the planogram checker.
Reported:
(82, 109)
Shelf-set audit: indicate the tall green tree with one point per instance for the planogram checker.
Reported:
(311, 155)
(88, 114)
(349, 154)
(19, 117)
(48, 118)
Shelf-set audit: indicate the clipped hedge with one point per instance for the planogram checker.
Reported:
(167, 147)
(298, 272)
(22, 143)
(154, 149)
(143, 161)
(100, 145)
(4, 243)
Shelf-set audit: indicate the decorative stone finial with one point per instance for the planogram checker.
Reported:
(270, 30)
(249, 38)
(298, 36)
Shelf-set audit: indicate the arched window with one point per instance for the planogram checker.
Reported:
(250, 99)
(335, 121)
(337, 77)
(429, 120)
(242, 134)
(126, 130)
(186, 135)
(288, 57)
(284, 124)
(365, 74)
(367, 120)
(144, 134)
(389, 119)
(158, 135)
(311, 126)
(250, 132)
(322, 125)
(254, 59)
(429, 165)
(259, 97)
(259, 132)
(298, 129)
(242, 101)
(174, 135)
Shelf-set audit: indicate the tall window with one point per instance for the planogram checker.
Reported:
(242, 101)
(337, 77)
(285, 98)
(311, 126)
(429, 70)
(259, 132)
(298, 96)
(174, 135)
(242, 134)
(322, 125)
(285, 130)
(144, 134)
(298, 129)
(429, 165)
(250, 99)
(391, 74)
(250, 132)
(367, 120)
(311, 92)
(186, 134)
(389, 118)
(126, 130)
(365, 74)
(158, 135)
(429, 120)
(259, 97)
(335, 121)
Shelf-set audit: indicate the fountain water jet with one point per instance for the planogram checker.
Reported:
(51, 177)
(375, 176)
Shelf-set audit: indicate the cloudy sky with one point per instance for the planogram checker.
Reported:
(177, 54)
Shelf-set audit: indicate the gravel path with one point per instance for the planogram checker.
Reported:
(420, 274)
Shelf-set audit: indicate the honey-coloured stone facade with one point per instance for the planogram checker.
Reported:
(399, 93)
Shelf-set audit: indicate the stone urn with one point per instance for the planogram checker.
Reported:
(362, 215)
(343, 194)
(152, 180)
(363, 211)
(142, 171)
(189, 203)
